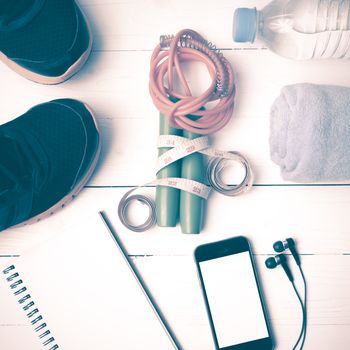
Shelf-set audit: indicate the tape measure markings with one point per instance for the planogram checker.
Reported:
(180, 148)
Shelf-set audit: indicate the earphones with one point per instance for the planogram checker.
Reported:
(281, 259)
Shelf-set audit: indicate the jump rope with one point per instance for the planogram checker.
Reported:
(188, 45)
(187, 122)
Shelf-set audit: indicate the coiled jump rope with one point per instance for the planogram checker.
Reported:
(188, 45)
(179, 109)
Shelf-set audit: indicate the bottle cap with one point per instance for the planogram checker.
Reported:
(245, 24)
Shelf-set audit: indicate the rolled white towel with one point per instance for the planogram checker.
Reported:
(310, 133)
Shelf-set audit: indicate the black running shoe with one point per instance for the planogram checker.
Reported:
(46, 41)
(46, 157)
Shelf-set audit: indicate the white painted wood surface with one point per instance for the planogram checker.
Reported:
(114, 83)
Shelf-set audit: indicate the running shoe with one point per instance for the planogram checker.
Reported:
(46, 41)
(46, 157)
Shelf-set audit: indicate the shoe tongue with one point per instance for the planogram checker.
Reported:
(15, 13)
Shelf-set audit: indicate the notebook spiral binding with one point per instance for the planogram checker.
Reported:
(25, 300)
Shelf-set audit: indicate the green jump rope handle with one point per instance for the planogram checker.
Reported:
(192, 206)
(167, 199)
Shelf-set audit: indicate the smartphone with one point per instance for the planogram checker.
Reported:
(232, 295)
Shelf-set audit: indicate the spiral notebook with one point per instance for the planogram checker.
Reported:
(75, 292)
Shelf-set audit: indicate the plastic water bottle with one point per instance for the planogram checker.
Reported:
(299, 29)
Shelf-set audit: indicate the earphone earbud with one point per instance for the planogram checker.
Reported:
(271, 263)
(279, 259)
(289, 243)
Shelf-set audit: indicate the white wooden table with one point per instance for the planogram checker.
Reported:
(114, 83)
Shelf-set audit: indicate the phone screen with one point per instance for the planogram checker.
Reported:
(234, 300)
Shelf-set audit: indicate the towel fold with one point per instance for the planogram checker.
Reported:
(310, 133)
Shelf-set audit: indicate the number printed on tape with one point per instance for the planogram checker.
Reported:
(197, 190)
(172, 182)
(190, 149)
(218, 153)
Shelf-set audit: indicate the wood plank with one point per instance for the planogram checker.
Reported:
(174, 284)
(314, 216)
(135, 25)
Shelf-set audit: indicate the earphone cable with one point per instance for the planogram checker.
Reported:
(302, 332)
(305, 306)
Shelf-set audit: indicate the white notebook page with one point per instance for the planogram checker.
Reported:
(87, 295)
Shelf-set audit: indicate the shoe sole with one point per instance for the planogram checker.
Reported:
(80, 185)
(42, 79)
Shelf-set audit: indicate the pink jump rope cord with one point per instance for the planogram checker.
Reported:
(188, 45)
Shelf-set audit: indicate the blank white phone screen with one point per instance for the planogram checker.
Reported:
(234, 300)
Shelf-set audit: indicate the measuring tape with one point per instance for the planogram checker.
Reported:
(180, 148)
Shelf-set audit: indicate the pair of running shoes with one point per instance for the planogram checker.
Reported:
(48, 154)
